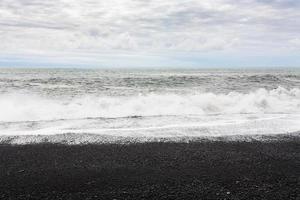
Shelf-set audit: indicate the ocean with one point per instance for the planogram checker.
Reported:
(149, 104)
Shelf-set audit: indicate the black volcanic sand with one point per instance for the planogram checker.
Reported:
(197, 170)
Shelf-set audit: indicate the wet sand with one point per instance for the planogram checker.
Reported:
(152, 170)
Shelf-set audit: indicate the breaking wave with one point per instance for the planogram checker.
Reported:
(29, 107)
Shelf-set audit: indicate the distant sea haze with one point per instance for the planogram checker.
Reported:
(149, 103)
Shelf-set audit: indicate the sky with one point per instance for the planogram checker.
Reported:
(149, 33)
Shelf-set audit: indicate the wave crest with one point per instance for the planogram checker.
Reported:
(29, 107)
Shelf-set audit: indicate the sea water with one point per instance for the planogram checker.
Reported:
(149, 103)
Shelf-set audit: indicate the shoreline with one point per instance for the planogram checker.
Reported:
(78, 139)
(152, 170)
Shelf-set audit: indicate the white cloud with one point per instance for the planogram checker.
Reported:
(147, 26)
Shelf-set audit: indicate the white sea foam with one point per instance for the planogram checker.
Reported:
(153, 115)
(28, 107)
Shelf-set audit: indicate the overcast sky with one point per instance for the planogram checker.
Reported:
(150, 33)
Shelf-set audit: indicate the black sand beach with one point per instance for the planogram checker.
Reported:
(195, 170)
